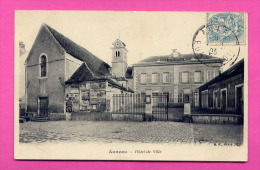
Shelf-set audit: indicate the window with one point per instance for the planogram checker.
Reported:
(186, 95)
(186, 98)
(197, 76)
(211, 75)
(215, 99)
(185, 77)
(155, 78)
(143, 78)
(204, 99)
(43, 66)
(117, 53)
(166, 78)
(196, 99)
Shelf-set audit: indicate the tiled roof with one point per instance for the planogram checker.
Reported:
(182, 58)
(96, 65)
(236, 69)
(83, 73)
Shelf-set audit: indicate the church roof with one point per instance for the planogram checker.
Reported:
(117, 40)
(96, 65)
(236, 69)
(84, 73)
(182, 58)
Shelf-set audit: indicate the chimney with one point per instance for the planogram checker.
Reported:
(175, 53)
(22, 48)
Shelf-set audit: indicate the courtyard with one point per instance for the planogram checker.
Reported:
(125, 131)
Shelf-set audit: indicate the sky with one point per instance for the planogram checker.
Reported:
(144, 33)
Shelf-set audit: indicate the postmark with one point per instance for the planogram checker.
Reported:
(227, 54)
(223, 26)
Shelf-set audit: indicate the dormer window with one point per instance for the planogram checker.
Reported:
(117, 53)
(43, 66)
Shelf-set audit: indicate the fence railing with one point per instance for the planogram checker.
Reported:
(128, 103)
(219, 102)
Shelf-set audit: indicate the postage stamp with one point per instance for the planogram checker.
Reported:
(228, 28)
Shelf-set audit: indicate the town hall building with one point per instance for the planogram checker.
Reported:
(176, 75)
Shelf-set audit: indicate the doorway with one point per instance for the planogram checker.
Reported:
(43, 106)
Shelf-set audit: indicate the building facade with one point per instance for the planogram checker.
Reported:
(177, 75)
(225, 93)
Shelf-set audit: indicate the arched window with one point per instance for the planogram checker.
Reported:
(43, 66)
(117, 54)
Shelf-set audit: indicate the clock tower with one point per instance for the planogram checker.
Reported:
(119, 59)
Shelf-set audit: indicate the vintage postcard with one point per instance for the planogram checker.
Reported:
(141, 86)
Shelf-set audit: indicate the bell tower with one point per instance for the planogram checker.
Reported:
(119, 58)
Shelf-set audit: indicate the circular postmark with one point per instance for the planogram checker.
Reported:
(225, 53)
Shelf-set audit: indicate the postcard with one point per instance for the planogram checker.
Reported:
(125, 85)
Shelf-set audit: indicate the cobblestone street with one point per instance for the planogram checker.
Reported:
(120, 131)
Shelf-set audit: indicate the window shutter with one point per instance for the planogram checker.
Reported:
(212, 74)
(191, 76)
(202, 76)
(159, 79)
(139, 78)
(180, 97)
(180, 76)
(170, 77)
(208, 76)
(149, 78)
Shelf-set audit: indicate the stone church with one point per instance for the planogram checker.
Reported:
(58, 71)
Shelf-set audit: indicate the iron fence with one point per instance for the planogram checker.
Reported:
(128, 103)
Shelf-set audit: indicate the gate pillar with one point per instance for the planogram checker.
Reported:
(148, 105)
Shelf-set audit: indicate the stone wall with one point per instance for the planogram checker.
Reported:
(217, 119)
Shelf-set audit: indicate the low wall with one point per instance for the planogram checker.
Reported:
(90, 116)
(127, 117)
(56, 116)
(51, 117)
(217, 119)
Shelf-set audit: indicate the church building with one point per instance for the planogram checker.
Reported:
(62, 76)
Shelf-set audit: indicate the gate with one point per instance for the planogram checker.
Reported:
(160, 106)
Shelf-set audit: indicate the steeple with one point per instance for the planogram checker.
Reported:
(119, 58)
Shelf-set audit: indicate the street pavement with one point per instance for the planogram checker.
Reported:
(122, 131)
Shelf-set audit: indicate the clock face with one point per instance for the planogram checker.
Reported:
(117, 44)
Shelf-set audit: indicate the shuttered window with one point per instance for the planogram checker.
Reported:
(165, 77)
(155, 78)
(197, 76)
(185, 77)
(143, 78)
